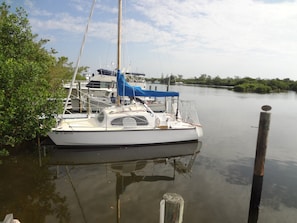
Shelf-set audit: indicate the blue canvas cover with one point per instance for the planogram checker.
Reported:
(125, 89)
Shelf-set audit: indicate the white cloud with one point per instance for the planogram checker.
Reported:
(222, 36)
(228, 26)
(80, 5)
(34, 11)
(63, 22)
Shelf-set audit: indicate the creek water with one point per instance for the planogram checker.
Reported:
(126, 184)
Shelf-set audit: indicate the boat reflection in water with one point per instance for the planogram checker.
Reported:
(101, 155)
(130, 165)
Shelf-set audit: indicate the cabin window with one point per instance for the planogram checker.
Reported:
(139, 120)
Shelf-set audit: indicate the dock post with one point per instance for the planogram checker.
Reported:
(259, 164)
(171, 208)
(89, 111)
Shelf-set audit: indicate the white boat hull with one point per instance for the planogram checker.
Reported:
(125, 137)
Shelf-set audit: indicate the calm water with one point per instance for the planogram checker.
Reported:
(214, 177)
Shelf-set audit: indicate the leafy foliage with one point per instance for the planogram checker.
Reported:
(25, 109)
(253, 87)
(63, 70)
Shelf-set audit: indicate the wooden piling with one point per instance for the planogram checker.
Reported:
(79, 97)
(89, 110)
(259, 164)
(171, 208)
(168, 84)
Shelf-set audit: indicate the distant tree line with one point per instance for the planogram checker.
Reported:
(246, 84)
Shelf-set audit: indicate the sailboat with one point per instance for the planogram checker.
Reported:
(132, 124)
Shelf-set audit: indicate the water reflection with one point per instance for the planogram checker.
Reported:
(28, 192)
(101, 155)
(280, 180)
(129, 165)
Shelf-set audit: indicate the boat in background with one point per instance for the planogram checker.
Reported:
(100, 91)
(92, 95)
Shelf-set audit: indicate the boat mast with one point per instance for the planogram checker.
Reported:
(119, 35)
(119, 44)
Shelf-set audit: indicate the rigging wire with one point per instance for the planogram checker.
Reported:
(79, 57)
(76, 195)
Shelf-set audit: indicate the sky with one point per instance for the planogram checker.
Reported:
(226, 38)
